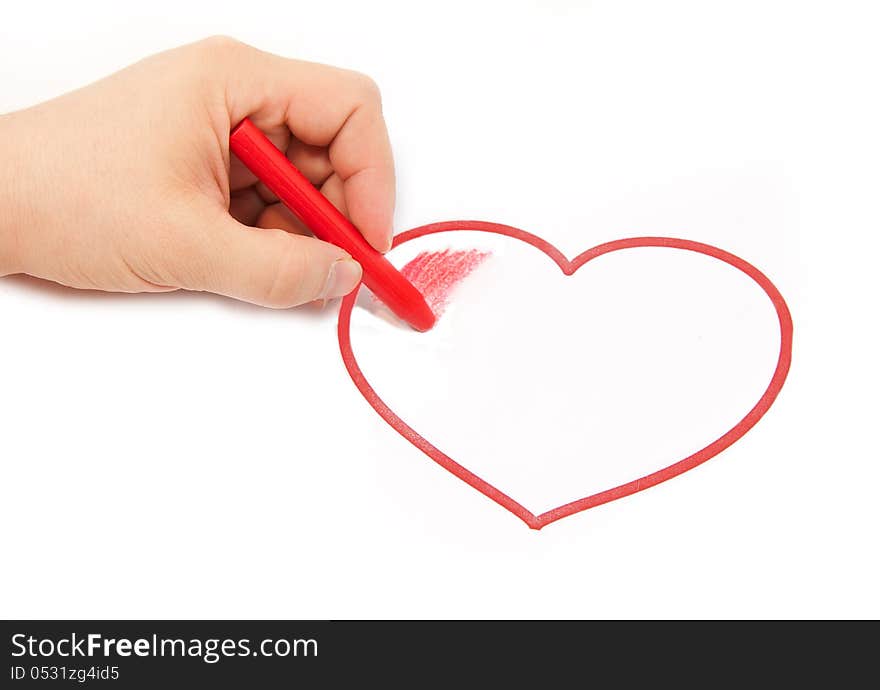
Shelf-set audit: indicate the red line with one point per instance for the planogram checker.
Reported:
(568, 268)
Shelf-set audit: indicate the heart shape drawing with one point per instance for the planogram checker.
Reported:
(569, 267)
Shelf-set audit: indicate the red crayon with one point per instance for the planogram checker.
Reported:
(271, 166)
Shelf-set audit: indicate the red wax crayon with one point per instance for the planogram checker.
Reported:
(271, 166)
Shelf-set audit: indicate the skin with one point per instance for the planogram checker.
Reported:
(126, 185)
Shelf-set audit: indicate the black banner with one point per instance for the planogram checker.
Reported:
(151, 654)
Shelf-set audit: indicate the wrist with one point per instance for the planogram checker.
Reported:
(11, 197)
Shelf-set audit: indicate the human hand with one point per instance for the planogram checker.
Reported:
(126, 185)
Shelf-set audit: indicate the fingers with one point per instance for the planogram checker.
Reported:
(246, 206)
(361, 156)
(272, 268)
(311, 161)
(279, 216)
(334, 190)
(323, 107)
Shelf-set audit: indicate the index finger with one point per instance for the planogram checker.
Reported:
(323, 106)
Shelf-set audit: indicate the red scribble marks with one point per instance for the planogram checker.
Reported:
(435, 274)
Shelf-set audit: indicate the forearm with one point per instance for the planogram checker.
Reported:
(12, 211)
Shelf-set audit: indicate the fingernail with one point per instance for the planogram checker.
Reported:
(344, 276)
(388, 243)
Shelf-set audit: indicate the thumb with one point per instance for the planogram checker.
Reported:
(272, 268)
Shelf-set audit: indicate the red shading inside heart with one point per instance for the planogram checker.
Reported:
(569, 267)
(435, 274)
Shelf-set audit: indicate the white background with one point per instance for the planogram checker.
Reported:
(185, 456)
(555, 387)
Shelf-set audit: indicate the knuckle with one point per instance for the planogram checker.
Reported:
(287, 285)
(220, 45)
(366, 87)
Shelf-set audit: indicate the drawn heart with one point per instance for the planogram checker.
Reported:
(569, 267)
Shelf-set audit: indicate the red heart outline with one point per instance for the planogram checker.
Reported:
(569, 268)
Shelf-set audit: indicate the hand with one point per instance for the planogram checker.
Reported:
(126, 185)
